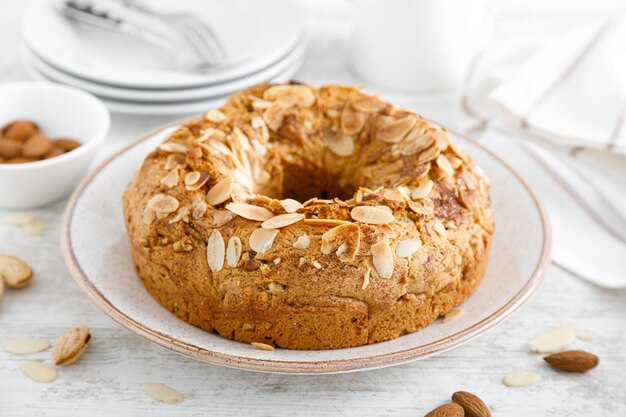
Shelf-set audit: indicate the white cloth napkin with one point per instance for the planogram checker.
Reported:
(556, 110)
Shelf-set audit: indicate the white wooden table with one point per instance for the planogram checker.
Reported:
(107, 380)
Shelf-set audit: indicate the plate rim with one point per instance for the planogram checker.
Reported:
(296, 367)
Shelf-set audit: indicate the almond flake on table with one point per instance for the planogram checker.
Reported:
(27, 346)
(554, 340)
(162, 393)
(39, 371)
(520, 379)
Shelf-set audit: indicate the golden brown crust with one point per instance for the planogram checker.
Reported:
(417, 209)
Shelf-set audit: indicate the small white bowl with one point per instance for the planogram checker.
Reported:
(59, 111)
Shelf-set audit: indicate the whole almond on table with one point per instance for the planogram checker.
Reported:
(71, 345)
(447, 410)
(473, 406)
(15, 272)
(573, 361)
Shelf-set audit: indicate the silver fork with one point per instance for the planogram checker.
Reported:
(197, 32)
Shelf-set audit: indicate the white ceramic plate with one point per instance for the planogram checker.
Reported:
(147, 108)
(255, 33)
(151, 96)
(96, 251)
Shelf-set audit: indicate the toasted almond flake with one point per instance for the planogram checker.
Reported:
(262, 346)
(174, 161)
(394, 130)
(38, 371)
(199, 210)
(15, 272)
(366, 279)
(203, 178)
(453, 315)
(554, 340)
(171, 179)
(282, 220)
(163, 204)
(520, 379)
(303, 242)
(455, 161)
(344, 240)
(215, 251)
(585, 335)
(261, 240)
(274, 116)
(192, 177)
(162, 393)
(250, 211)
(233, 251)
(383, 259)
(352, 121)
(181, 214)
(220, 192)
(442, 139)
(367, 104)
(301, 261)
(406, 193)
(290, 205)
(340, 144)
(173, 147)
(393, 195)
(416, 141)
(290, 95)
(148, 216)
(424, 206)
(440, 229)
(325, 222)
(239, 194)
(221, 217)
(215, 116)
(258, 103)
(407, 247)
(27, 346)
(423, 190)
(316, 264)
(371, 215)
(257, 122)
(277, 260)
(427, 155)
(445, 165)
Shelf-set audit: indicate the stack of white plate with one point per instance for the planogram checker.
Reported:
(265, 38)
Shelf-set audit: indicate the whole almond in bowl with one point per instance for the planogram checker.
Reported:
(20, 130)
(36, 146)
(66, 144)
(33, 181)
(10, 148)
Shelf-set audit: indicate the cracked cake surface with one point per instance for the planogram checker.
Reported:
(309, 218)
